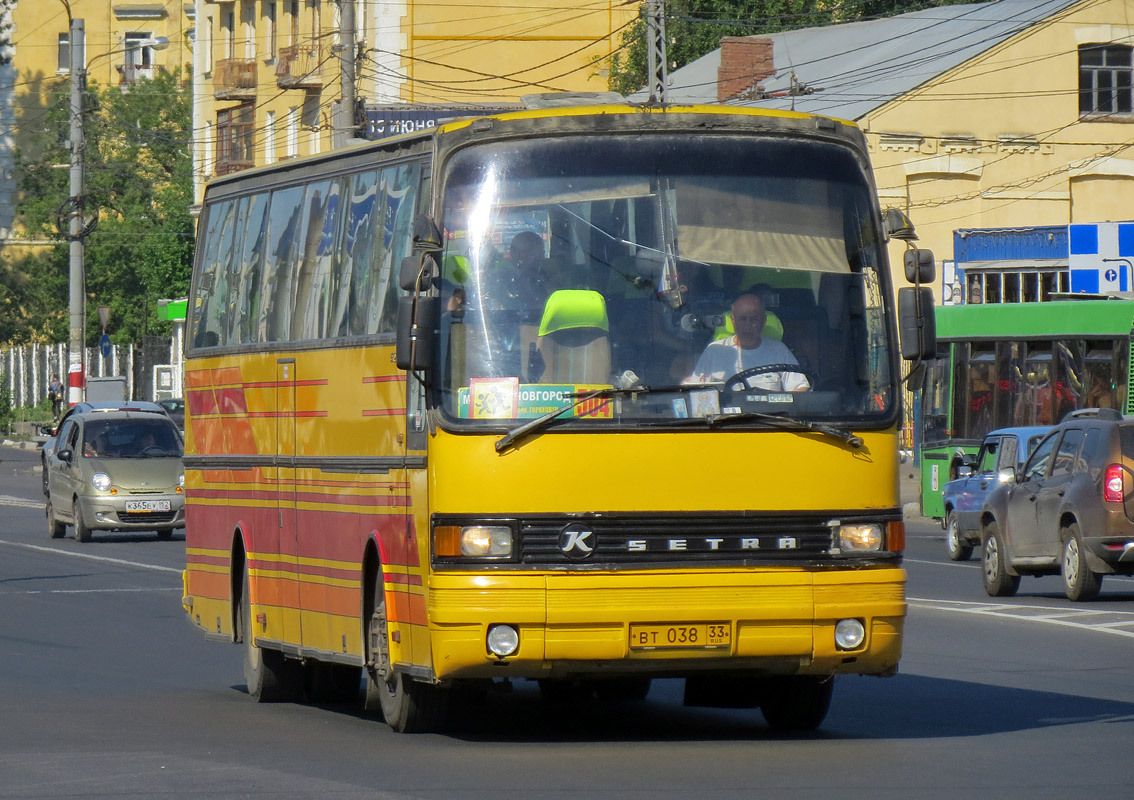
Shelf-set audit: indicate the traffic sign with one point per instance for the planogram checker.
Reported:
(104, 345)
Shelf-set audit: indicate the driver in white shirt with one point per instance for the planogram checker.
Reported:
(747, 349)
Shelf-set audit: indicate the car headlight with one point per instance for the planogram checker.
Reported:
(860, 538)
(472, 541)
(100, 481)
(181, 480)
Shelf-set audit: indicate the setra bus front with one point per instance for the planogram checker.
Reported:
(657, 358)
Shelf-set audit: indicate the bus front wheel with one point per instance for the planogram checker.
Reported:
(798, 702)
(407, 705)
(271, 678)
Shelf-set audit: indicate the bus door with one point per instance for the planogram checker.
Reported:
(290, 595)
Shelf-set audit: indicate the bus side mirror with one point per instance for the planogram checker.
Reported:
(917, 324)
(415, 332)
(411, 266)
(920, 267)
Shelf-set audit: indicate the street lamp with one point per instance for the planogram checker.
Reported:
(76, 374)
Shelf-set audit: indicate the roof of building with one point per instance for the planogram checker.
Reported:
(849, 70)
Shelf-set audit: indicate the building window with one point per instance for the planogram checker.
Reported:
(273, 31)
(64, 53)
(234, 138)
(1105, 79)
(292, 133)
(270, 137)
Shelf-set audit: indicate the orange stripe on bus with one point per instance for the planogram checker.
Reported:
(212, 585)
(198, 377)
(385, 379)
(226, 376)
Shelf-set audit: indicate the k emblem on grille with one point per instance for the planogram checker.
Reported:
(577, 541)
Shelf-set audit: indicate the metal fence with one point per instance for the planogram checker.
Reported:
(28, 369)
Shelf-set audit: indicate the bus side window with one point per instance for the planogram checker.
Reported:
(248, 268)
(212, 278)
(286, 226)
(314, 263)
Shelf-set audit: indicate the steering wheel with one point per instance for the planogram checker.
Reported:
(743, 376)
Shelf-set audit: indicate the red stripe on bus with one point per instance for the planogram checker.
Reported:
(231, 401)
(384, 379)
(383, 412)
(201, 402)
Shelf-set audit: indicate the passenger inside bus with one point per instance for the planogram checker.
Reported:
(749, 349)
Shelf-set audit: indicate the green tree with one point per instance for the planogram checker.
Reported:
(136, 199)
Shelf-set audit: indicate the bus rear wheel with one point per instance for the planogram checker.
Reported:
(797, 702)
(271, 678)
(408, 706)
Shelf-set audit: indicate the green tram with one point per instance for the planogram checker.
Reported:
(1015, 364)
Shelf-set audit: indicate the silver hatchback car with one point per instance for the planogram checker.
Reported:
(118, 470)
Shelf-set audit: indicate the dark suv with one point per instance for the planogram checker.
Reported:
(1069, 510)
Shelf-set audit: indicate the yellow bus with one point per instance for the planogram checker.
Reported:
(450, 425)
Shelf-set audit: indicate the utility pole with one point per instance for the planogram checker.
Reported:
(76, 372)
(656, 56)
(344, 125)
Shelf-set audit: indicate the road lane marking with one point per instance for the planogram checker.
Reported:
(1111, 621)
(19, 502)
(122, 561)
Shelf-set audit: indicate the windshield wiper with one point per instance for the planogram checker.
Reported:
(528, 428)
(788, 423)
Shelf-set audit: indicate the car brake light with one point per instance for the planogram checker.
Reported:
(1114, 488)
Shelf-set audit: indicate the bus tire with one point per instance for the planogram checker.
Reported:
(797, 702)
(1079, 583)
(958, 550)
(55, 528)
(997, 581)
(270, 677)
(408, 706)
(82, 532)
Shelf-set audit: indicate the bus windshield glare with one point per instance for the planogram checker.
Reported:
(721, 275)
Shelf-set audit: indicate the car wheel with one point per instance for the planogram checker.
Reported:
(82, 532)
(798, 702)
(958, 550)
(270, 677)
(997, 581)
(408, 706)
(55, 528)
(1079, 583)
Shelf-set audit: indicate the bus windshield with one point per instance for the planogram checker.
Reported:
(583, 262)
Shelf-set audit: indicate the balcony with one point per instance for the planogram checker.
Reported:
(300, 67)
(129, 74)
(234, 79)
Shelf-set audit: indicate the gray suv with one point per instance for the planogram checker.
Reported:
(1069, 510)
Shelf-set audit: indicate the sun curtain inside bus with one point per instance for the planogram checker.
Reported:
(579, 262)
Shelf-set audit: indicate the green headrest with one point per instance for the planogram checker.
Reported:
(573, 308)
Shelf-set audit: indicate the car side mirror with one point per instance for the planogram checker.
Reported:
(964, 471)
(65, 455)
(1006, 475)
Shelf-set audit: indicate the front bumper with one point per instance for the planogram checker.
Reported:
(106, 512)
(578, 624)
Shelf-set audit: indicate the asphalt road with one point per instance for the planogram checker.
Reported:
(105, 691)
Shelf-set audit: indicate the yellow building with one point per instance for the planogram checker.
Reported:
(1009, 114)
(270, 73)
(119, 37)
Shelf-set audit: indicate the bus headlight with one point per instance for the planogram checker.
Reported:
(849, 634)
(472, 541)
(860, 538)
(100, 481)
